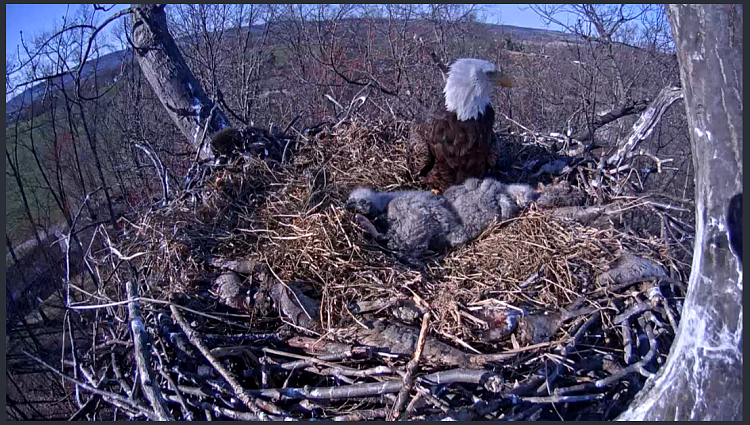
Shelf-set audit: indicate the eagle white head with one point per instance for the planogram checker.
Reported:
(470, 82)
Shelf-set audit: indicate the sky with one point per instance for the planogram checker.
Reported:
(33, 19)
(519, 15)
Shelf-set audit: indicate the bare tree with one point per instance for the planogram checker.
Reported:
(227, 46)
(702, 379)
(613, 54)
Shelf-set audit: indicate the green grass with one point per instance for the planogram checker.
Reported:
(41, 202)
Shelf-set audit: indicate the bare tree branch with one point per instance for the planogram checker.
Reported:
(646, 123)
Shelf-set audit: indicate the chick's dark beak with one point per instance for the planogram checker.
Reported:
(350, 205)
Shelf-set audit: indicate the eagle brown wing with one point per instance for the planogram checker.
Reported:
(497, 149)
(419, 158)
(461, 149)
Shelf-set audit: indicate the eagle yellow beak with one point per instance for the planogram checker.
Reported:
(500, 79)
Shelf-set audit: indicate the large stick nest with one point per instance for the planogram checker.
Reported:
(539, 318)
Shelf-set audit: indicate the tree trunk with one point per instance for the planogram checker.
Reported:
(702, 379)
(173, 82)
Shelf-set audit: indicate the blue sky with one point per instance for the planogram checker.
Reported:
(519, 15)
(33, 19)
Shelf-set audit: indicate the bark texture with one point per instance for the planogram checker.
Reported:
(171, 79)
(702, 379)
(646, 123)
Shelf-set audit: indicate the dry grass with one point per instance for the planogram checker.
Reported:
(290, 216)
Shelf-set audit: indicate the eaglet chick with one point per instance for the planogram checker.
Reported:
(478, 202)
(413, 221)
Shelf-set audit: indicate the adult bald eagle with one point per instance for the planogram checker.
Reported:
(456, 142)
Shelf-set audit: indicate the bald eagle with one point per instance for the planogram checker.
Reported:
(456, 141)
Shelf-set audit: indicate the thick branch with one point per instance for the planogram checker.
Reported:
(410, 369)
(171, 79)
(256, 406)
(441, 66)
(646, 123)
(142, 352)
(467, 376)
(618, 112)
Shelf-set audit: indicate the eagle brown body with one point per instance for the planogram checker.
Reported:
(446, 151)
(457, 142)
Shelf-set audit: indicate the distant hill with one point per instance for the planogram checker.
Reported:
(532, 34)
(110, 64)
(105, 65)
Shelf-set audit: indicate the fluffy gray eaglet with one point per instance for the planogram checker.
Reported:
(456, 141)
(479, 202)
(411, 222)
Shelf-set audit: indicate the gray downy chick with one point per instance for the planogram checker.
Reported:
(479, 202)
(415, 221)
(560, 194)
